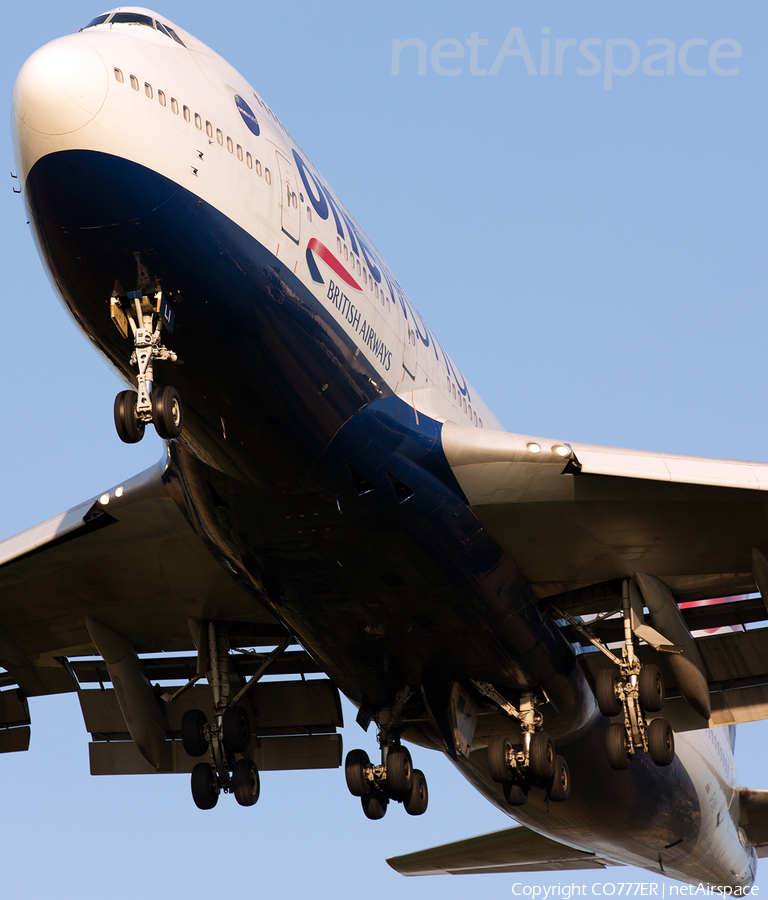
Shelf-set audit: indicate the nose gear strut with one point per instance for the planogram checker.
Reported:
(161, 406)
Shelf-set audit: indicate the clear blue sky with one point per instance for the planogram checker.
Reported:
(593, 259)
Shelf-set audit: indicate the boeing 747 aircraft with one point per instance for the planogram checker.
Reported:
(335, 500)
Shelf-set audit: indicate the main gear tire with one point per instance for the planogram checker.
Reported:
(542, 756)
(661, 742)
(616, 746)
(246, 785)
(355, 766)
(205, 791)
(417, 798)
(193, 739)
(399, 770)
(499, 751)
(236, 727)
(605, 692)
(651, 688)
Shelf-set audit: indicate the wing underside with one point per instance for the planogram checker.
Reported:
(512, 850)
(581, 520)
(130, 566)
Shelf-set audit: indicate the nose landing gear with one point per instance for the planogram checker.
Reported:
(161, 406)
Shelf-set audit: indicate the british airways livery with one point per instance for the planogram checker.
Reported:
(336, 501)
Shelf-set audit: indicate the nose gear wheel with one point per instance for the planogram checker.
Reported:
(161, 406)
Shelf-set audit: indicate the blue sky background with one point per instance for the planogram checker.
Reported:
(593, 259)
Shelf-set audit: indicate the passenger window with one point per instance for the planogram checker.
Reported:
(118, 73)
(209, 129)
(309, 213)
(134, 82)
(267, 176)
(175, 107)
(358, 267)
(239, 152)
(480, 422)
(161, 98)
(338, 245)
(346, 252)
(230, 145)
(198, 120)
(449, 383)
(148, 89)
(475, 418)
(365, 276)
(220, 136)
(454, 392)
(249, 160)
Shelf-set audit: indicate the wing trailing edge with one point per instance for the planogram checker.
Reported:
(511, 850)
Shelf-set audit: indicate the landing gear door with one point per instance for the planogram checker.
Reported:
(290, 211)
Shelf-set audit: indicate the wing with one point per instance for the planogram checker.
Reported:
(512, 850)
(128, 565)
(129, 558)
(580, 519)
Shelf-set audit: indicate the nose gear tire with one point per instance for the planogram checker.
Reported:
(129, 429)
(167, 412)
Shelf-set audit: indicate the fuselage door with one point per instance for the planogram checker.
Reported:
(290, 211)
(409, 347)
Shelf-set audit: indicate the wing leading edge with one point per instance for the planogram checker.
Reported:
(128, 558)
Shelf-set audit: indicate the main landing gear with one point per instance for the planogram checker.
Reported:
(160, 406)
(395, 779)
(631, 689)
(537, 764)
(222, 741)
(225, 740)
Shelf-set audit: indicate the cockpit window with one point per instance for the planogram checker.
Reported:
(129, 18)
(97, 21)
(166, 29)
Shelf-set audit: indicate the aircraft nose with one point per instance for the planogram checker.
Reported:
(61, 87)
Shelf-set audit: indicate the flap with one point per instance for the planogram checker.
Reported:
(512, 850)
